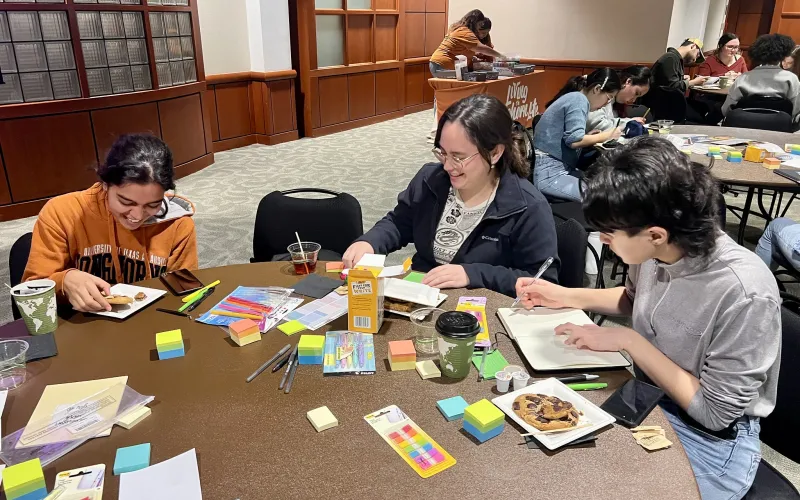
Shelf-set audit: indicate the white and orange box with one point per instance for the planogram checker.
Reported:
(365, 293)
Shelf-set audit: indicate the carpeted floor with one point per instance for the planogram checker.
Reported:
(372, 163)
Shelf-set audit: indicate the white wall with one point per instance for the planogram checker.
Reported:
(717, 11)
(688, 21)
(245, 35)
(223, 30)
(599, 30)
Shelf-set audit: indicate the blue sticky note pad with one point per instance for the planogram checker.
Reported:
(132, 458)
(483, 436)
(452, 408)
(174, 353)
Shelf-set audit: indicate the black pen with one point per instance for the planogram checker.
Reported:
(200, 299)
(269, 362)
(281, 363)
(288, 368)
(292, 370)
(169, 311)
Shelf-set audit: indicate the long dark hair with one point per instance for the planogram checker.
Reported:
(474, 20)
(638, 75)
(488, 124)
(140, 159)
(605, 78)
(723, 41)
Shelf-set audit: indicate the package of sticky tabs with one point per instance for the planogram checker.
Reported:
(80, 484)
(69, 426)
(416, 447)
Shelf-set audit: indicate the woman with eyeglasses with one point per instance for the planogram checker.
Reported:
(726, 61)
(121, 230)
(562, 132)
(474, 218)
(635, 83)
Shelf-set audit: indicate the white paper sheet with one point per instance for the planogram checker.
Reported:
(177, 477)
(372, 260)
(791, 163)
(392, 271)
(772, 148)
(411, 292)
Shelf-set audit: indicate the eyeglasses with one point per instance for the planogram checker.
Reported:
(732, 48)
(458, 162)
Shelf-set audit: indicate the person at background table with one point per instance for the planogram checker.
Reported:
(668, 71)
(123, 229)
(781, 237)
(767, 76)
(635, 83)
(562, 132)
(706, 311)
(726, 61)
(792, 62)
(468, 37)
(475, 219)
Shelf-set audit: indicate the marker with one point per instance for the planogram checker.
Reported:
(271, 360)
(483, 363)
(588, 387)
(220, 312)
(281, 363)
(176, 313)
(292, 370)
(538, 275)
(190, 306)
(197, 293)
(288, 368)
(577, 378)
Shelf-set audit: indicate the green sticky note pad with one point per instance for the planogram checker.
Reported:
(494, 363)
(291, 327)
(415, 277)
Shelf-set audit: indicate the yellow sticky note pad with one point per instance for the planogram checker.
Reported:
(291, 327)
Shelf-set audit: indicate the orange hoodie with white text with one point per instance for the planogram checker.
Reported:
(77, 231)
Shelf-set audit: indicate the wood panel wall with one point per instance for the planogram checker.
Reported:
(251, 108)
(786, 18)
(425, 24)
(748, 19)
(53, 148)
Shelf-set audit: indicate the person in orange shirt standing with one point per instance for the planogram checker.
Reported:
(121, 230)
(468, 37)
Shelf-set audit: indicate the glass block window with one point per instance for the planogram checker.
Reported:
(114, 51)
(173, 47)
(36, 56)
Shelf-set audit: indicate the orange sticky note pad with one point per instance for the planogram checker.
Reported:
(334, 267)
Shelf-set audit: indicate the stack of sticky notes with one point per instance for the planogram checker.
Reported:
(428, 369)
(169, 344)
(735, 157)
(792, 148)
(772, 163)
(244, 331)
(322, 418)
(24, 481)
(452, 408)
(310, 349)
(484, 420)
(133, 417)
(714, 151)
(132, 458)
(402, 355)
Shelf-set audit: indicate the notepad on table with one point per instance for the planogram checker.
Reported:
(409, 291)
(534, 333)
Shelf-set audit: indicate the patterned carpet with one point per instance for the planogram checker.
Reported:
(372, 163)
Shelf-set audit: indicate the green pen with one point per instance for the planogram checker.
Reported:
(588, 387)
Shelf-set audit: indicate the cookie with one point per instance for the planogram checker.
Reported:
(544, 424)
(555, 408)
(545, 412)
(140, 296)
(118, 300)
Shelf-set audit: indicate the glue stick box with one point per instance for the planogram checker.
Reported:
(364, 301)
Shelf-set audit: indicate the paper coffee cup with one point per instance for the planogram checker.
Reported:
(36, 301)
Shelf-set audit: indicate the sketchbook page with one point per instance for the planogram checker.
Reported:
(178, 477)
(411, 292)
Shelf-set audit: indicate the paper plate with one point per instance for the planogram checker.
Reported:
(122, 312)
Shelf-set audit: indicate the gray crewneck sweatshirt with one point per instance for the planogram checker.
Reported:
(765, 80)
(719, 319)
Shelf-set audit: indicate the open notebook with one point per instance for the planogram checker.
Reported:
(534, 333)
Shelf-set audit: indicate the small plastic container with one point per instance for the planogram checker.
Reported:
(520, 380)
(503, 380)
(12, 363)
(512, 369)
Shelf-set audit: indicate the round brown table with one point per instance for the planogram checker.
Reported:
(752, 176)
(254, 442)
(717, 91)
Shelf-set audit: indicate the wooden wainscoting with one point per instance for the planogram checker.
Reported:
(53, 147)
(251, 108)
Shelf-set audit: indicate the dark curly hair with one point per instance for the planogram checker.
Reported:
(649, 183)
(140, 159)
(771, 49)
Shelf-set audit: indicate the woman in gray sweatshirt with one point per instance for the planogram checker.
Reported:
(706, 311)
(767, 77)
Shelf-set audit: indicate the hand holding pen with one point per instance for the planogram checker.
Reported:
(539, 274)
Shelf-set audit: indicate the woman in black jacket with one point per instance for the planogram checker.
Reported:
(475, 219)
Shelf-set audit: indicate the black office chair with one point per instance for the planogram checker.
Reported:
(572, 243)
(333, 221)
(759, 119)
(667, 103)
(566, 210)
(769, 483)
(776, 103)
(17, 260)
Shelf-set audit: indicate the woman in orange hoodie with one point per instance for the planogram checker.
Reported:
(121, 230)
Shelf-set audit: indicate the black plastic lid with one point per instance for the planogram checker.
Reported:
(457, 325)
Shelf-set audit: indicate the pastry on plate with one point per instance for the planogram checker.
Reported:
(398, 305)
(546, 413)
(140, 296)
(119, 300)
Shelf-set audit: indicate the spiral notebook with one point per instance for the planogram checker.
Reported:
(534, 333)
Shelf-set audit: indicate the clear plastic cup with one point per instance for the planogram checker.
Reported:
(665, 126)
(304, 256)
(520, 380)
(424, 321)
(12, 363)
(503, 380)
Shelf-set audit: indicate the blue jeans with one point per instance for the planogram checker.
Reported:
(781, 235)
(553, 178)
(724, 469)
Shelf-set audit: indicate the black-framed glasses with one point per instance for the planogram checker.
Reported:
(458, 162)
